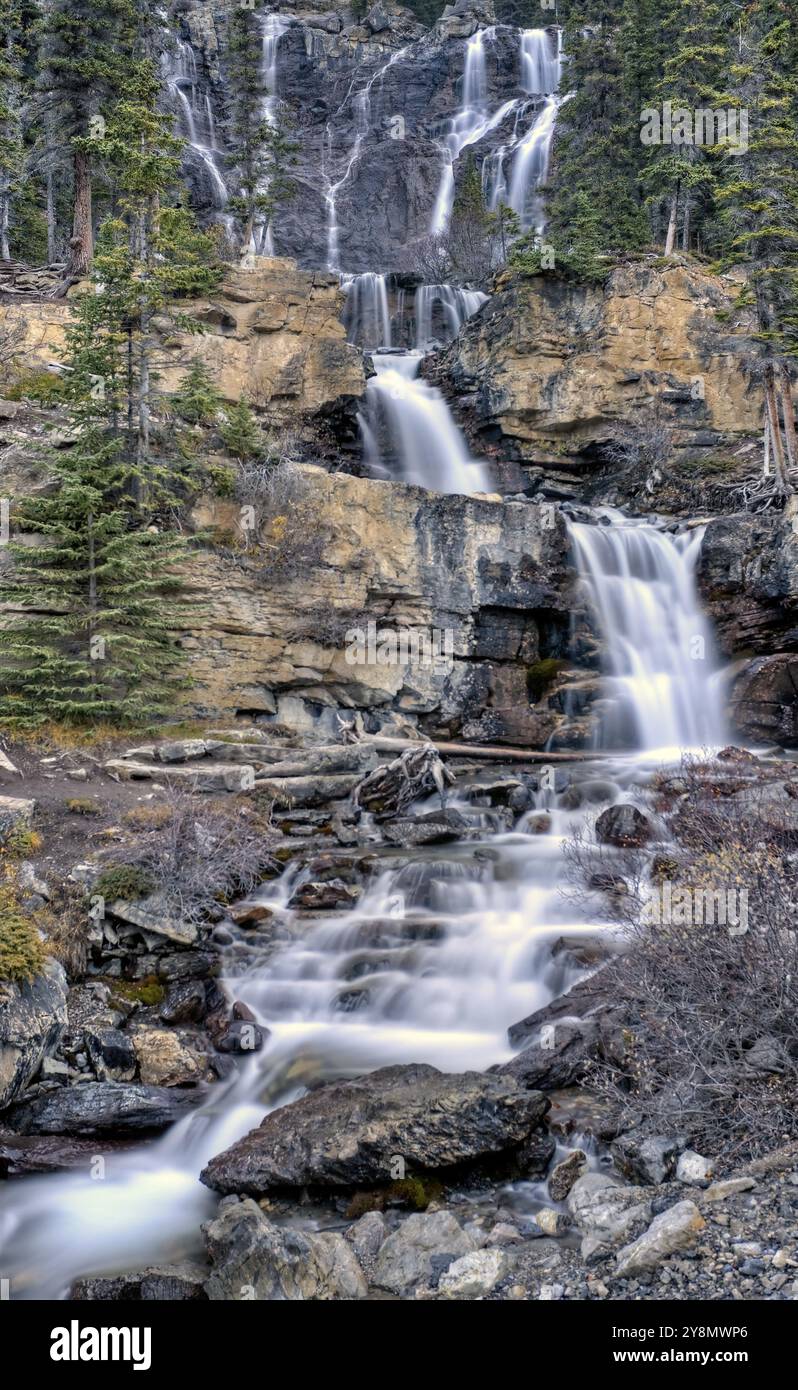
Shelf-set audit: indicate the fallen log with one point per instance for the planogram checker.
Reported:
(475, 750)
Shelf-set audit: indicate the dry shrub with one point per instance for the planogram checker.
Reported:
(206, 853)
(291, 534)
(711, 1000)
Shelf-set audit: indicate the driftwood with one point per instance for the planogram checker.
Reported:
(475, 750)
(389, 790)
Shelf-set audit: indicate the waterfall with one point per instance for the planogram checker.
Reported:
(409, 432)
(540, 68)
(471, 124)
(273, 27)
(527, 154)
(662, 683)
(180, 74)
(366, 316)
(456, 305)
(442, 953)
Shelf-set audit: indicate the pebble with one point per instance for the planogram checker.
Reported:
(551, 1293)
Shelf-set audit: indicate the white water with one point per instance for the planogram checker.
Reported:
(455, 304)
(410, 433)
(273, 27)
(181, 81)
(515, 172)
(439, 958)
(367, 318)
(664, 691)
(470, 125)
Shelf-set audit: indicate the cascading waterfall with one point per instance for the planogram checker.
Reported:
(367, 318)
(409, 432)
(527, 154)
(273, 27)
(471, 124)
(434, 963)
(455, 305)
(663, 687)
(181, 77)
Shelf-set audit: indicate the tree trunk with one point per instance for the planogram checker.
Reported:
(686, 225)
(81, 246)
(775, 433)
(788, 411)
(51, 251)
(670, 238)
(5, 199)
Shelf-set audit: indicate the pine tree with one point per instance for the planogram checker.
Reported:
(758, 194)
(11, 145)
(93, 601)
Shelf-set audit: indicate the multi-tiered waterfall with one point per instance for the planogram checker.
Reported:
(438, 958)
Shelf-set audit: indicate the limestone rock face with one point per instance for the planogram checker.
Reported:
(399, 558)
(32, 1017)
(272, 333)
(552, 368)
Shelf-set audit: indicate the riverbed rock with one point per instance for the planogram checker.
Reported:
(169, 1056)
(764, 700)
(32, 1017)
(367, 1236)
(624, 826)
(347, 1134)
(647, 1158)
(102, 1108)
(425, 1244)
(112, 1054)
(673, 1230)
(606, 1211)
(254, 1259)
(565, 1174)
(180, 1283)
(474, 1275)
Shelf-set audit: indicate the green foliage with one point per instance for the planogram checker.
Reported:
(127, 882)
(45, 388)
(147, 992)
(241, 434)
(83, 806)
(22, 952)
(196, 400)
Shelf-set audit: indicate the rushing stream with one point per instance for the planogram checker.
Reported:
(445, 950)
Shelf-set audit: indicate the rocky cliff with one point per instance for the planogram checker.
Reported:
(548, 373)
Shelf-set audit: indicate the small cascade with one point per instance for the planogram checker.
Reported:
(515, 172)
(663, 689)
(409, 432)
(471, 124)
(366, 316)
(273, 27)
(540, 67)
(181, 78)
(455, 306)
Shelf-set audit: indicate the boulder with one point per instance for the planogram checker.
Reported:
(32, 1018)
(22, 1154)
(169, 1056)
(606, 1211)
(367, 1235)
(254, 1259)
(182, 1283)
(112, 1054)
(102, 1108)
(624, 826)
(474, 1275)
(423, 1247)
(673, 1230)
(647, 1158)
(432, 828)
(152, 916)
(764, 700)
(349, 1133)
(14, 811)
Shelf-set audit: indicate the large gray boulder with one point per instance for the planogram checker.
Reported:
(102, 1107)
(32, 1017)
(418, 1252)
(351, 1133)
(255, 1260)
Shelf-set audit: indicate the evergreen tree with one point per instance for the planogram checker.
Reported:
(758, 194)
(11, 143)
(94, 600)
